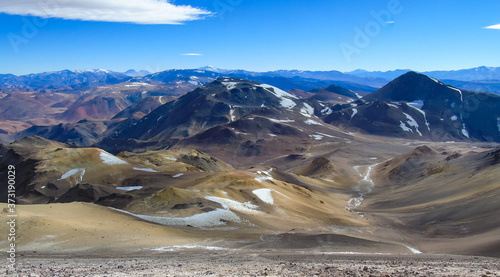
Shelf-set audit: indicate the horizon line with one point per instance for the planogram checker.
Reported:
(200, 68)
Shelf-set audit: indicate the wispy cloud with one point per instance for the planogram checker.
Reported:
(192, 54)
(130, 11)
(493, 27)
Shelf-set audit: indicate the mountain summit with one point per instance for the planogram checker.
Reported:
(220, 102)
(417, 106)
(414, 86)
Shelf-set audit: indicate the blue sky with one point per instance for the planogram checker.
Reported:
(248, 34)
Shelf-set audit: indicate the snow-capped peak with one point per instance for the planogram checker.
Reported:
(209, 68)
(277, 92)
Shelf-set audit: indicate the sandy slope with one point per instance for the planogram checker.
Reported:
(87, 229)
(440, 200)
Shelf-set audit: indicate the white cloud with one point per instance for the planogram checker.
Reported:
(130, 11)
(192, 54)
(493, 27)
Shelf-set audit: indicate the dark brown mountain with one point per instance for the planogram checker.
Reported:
(82, 133)
(320, 166)
(143, 107)
(32, 106)
(333, 92)
(95, 107)
(265, 134)
(415, 105)
(218, 103)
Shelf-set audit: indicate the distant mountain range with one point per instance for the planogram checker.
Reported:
(135, 73)
(412, 106)
(480, 79)
(482, 73)
(67, 80)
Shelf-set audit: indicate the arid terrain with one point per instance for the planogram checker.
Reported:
(249, 138)
(237, 176)
(196, 262)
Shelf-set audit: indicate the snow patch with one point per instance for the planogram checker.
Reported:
(231, 114)
(354, 112)
(264, 195)
(326, 135)
(357, 95)
(316, 137)
(178, 175)
(465, 132)
(263, 178)
(73, 172)
(277, 92)
(280, 121)
(287, 103)
(307, 110)
(170, 158)
(412, 123)
(246, 207)
(403, 126)
(182, 247)
(434, 80)
(392, 105)
(459, 91)
(230, 85)
(110, 159)
(214, 218)
(418, 104)
(418, 107)
(312, 122)
(413, 250)
(145, 169)
(454, 118)
(130, 188)
(137, 84)
(267, 177)
(326, 111)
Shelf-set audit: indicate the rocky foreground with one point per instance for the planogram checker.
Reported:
(253, 263)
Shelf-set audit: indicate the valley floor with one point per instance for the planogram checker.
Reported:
(259, 263)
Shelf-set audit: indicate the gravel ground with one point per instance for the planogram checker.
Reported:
(252, 263)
